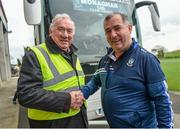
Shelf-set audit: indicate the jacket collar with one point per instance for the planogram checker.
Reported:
(111, 51)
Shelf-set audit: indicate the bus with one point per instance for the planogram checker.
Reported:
(90, 40)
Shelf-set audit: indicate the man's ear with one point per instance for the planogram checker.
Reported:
(130, 28)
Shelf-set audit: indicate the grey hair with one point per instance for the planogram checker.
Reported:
(123, 16)
(60, 17)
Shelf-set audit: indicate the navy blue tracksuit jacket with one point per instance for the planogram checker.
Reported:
(133, 90)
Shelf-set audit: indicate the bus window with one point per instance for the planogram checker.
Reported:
(88, 16)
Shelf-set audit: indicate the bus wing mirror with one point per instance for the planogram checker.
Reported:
(155, 17)
(32, 11)
(154, 13)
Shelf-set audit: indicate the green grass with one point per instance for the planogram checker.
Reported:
(171, 68)
(172, 54)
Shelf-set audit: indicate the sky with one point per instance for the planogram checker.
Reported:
(170, 25)
(22, 34)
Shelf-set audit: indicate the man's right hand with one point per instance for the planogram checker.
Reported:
(77, 99)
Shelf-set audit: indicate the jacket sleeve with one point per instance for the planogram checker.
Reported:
(30, 88)
(164, 113)
(91, 87)
(157, 90)
(95, 83)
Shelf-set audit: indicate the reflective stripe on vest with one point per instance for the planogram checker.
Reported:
(56, 78)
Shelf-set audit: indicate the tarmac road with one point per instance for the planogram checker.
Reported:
(175, 98)
(9, 111)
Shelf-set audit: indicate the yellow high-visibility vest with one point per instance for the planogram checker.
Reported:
(58, 75)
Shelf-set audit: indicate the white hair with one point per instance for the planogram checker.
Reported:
(60, 17)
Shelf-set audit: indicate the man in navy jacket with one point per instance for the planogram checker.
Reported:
(133, 86)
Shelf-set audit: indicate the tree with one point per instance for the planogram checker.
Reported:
(159, 51)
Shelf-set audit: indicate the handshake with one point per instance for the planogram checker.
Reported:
(77, 99)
